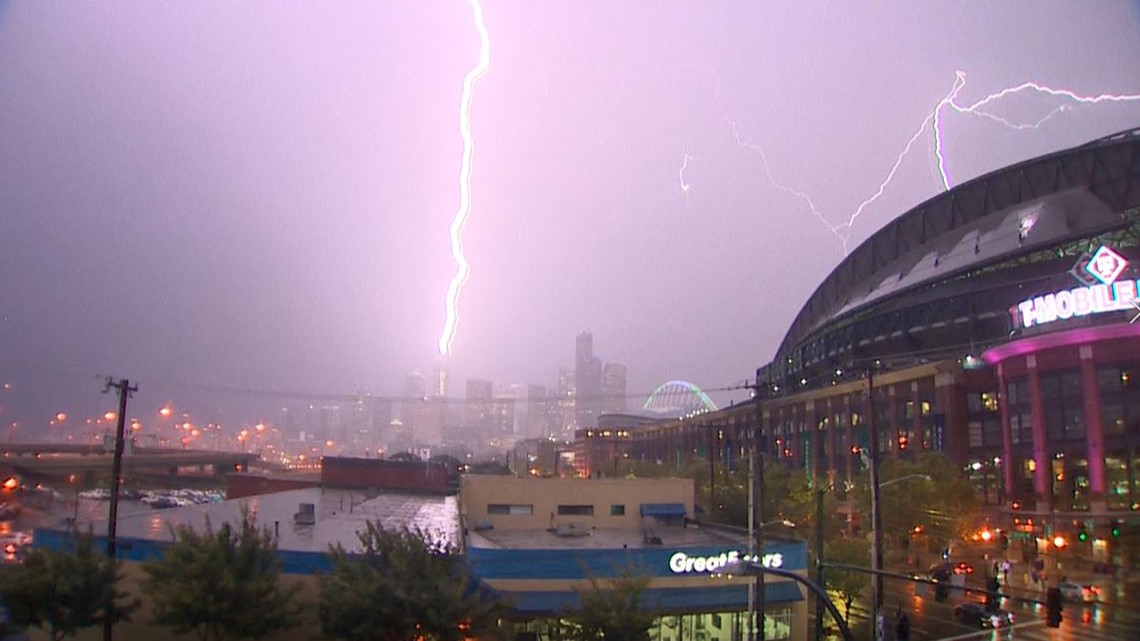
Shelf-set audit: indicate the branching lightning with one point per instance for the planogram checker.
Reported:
(933, 121)
(463, 269)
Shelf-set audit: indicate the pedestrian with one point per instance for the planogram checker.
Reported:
(902, 628)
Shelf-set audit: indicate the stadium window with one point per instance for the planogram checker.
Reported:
(617, 510)
(575, 510)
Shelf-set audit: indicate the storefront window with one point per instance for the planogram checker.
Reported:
(1064, 404)
(1020, 411)
(1116, 481)
(1119, 398)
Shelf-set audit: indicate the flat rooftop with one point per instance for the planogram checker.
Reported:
(340, 514)
(603, 539)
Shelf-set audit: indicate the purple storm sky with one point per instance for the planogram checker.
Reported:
(258, 194)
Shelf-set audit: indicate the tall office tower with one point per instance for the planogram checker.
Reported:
(534, 423)
(560, 409)
(503, 417)
(368, 418)
(413, 395)
(613, 387)
(439, 381)
(480, 412)
(587, 382)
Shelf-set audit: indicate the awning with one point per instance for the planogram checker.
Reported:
(663, 509)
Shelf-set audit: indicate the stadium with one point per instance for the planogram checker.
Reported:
(992, 322)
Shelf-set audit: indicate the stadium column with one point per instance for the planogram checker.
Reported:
(1008, 466)
(1094, 430)
(1043, 476)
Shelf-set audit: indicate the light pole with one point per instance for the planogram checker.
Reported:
(877, 530)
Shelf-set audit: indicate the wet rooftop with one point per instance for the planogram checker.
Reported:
(340, 514)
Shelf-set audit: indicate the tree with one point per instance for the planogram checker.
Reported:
(404, 584)
(612, 611)
(221, 584)
(64, 591)
(848, 583)
(946, 506)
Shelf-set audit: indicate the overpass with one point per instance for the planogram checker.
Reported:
(55, 460)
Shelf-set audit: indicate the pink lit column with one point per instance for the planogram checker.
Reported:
(1094, 429)
(1043, 474)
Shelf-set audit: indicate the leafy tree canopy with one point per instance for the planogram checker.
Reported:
(611, 610)
(221, 584)
(403, 584)
(945, 506)
(64, 591)
(849, 584)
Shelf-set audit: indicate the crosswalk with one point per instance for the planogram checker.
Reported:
(1069, 631)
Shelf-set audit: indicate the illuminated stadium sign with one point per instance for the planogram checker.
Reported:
(1076, 302)
(1105, 266)
(681, 563)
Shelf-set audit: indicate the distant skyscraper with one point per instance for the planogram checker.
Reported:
(530, 410)
(613, 387)
(560, 409)
(439, 381)
(415, 389)
(480, 410)
(587, 382)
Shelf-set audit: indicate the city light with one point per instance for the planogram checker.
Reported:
(1059, 542)
(987, 536)
(60, 417)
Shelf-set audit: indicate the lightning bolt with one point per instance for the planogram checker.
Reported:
(977, 109)
(685, 186)
(463, 268)
(763, 156)
(933, 123)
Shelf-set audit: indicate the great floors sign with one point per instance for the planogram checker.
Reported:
(682, 563)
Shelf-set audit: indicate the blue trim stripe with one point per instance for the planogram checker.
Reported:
(662, 599)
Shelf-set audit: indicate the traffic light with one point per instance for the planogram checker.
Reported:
(1053, 607)
(1116, 527)
(1083, 535)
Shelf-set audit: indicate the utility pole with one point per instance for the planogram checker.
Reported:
(819, 606)
(876, 511)
(124, 389)
(758, 481)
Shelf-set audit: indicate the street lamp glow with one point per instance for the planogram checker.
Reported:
(60, 417)
(165, 412)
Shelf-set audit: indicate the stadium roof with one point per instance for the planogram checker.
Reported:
(1068, 194)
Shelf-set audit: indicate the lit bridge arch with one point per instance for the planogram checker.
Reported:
(681, 398)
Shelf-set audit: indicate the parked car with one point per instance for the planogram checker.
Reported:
(975, 615)
(1076, 593)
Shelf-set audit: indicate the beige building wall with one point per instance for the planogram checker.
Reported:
(536, 503)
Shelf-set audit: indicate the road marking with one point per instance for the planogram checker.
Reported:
(989, 632)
